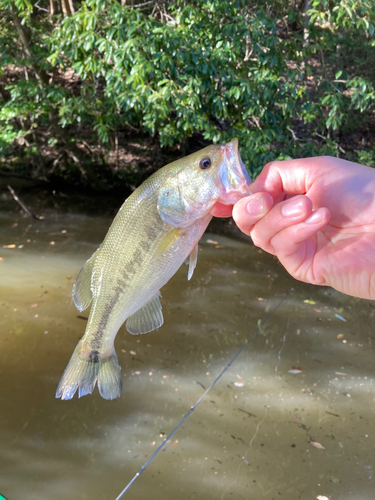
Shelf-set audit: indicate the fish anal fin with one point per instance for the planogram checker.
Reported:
(171, 237)
(147, 318)
(82, 294)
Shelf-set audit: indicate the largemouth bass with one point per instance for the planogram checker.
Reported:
(155, 231)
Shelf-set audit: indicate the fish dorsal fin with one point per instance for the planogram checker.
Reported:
(82, 294)
(192, 261)
(147, 318)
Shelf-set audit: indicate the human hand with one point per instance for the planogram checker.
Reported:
(317, 215)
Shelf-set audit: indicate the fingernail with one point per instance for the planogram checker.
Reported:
(255, 207)
(292, 208)
(315, 217)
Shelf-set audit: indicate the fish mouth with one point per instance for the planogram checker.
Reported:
(234, 177)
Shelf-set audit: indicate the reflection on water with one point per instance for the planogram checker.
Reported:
(262, 432)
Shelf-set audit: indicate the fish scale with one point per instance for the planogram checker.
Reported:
(154, 232)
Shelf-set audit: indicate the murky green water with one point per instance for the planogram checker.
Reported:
(262, 432)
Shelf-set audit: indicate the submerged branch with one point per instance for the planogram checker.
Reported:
(22, 205)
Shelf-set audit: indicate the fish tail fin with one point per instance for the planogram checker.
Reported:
(84, 371)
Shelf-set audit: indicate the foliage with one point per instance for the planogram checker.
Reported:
(282, 80)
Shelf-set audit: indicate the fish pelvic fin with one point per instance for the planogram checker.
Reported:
(84, 371)
(191, 261)
(147, 318)
(82, 294)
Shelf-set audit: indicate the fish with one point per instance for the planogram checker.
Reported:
(154, 232)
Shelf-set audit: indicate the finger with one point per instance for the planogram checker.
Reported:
(287, 213)
(248, 211)
(291, 176)
(220, 210)
(296, 247)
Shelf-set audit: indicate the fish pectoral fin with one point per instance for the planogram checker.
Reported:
(147, 318)
(171, 237)
(82, 294)
(192, 261)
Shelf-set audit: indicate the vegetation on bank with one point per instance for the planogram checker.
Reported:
(105, 91)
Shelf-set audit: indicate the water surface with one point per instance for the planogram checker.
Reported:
(264, 431)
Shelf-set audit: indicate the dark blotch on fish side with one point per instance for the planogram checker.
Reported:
(94, 357)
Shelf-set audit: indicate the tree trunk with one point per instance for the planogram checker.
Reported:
(25, 37)
(51, 7)
(306, 20)
(67, 7)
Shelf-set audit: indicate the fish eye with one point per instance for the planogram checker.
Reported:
(205, 163)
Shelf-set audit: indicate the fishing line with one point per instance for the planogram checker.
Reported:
(260, 326)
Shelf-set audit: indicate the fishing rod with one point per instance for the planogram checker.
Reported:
(260, 326)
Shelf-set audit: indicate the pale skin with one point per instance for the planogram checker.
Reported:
(317, 216)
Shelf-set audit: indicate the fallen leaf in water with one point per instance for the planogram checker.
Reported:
(340, 336)
(309, 302)
(340, 317)
(51, 242)
(295, 369)
(213, 242)
(133, 353)
(219, 246)
(68, 277)
(1, 259)
(33, 305)
(321, 497)
(9, 246)
(239, 384)
(317, 445)
(175, 442)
